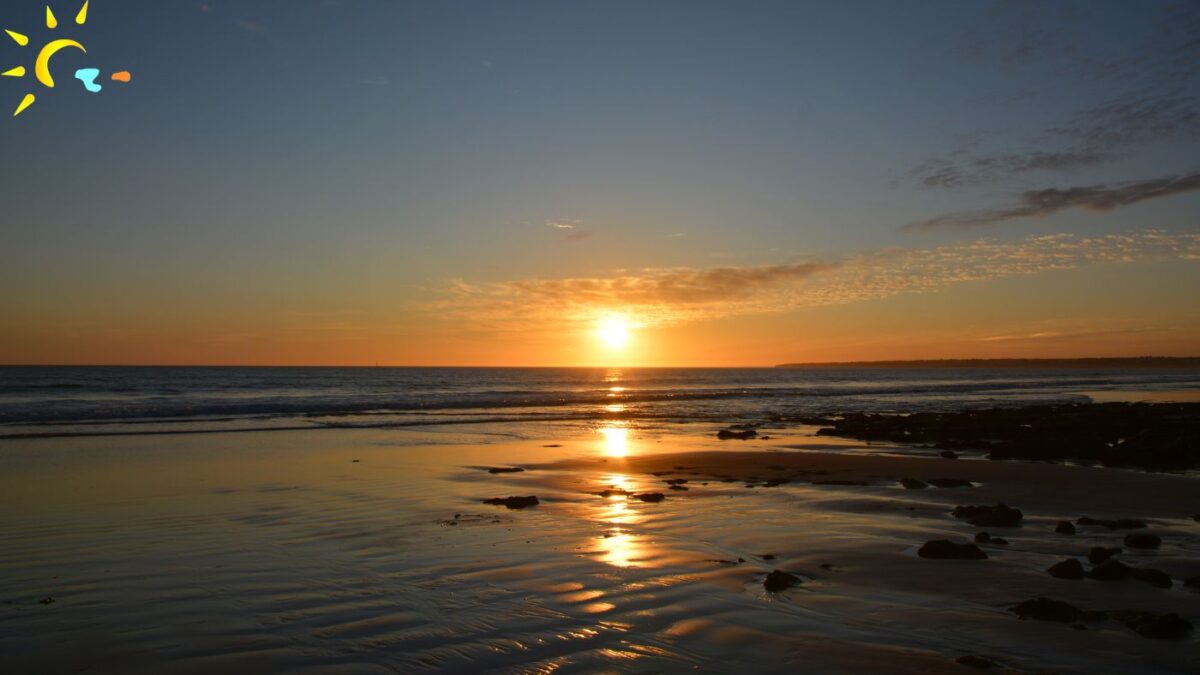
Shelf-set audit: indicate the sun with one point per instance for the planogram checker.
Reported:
(41, 67)
(615, 332)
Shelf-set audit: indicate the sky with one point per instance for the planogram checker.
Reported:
(351, 182)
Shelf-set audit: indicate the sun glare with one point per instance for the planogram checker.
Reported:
(614, 332)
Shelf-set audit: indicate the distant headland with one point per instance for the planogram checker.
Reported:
(1087, 363)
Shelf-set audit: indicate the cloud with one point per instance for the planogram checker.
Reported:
(674, 295)
(564, 223)
(1040, 203)
(1045, 336)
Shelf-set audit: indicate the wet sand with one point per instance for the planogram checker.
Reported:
(369, 551)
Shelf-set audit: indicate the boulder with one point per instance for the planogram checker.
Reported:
(1110, 570)
(1153, 577)
(1045, 609)
(944, 549)
(728, 434)
(913, 484)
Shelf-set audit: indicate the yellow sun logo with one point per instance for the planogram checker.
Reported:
(41, 66)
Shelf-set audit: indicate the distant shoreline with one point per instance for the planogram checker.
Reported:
(1115, 362)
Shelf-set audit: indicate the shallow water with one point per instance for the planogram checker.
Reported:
(339, 551)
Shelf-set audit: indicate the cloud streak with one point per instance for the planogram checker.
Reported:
(677, 295)
(1041, 203)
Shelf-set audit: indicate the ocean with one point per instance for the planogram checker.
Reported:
(60, 401)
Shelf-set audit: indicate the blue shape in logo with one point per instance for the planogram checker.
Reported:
(88, 77)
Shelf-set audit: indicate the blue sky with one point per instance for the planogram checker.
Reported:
(357, 156)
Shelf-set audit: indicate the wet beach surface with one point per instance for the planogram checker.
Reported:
(370, 551)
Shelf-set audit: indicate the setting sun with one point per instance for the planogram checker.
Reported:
(614, 332)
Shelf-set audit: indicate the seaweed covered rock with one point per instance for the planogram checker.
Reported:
(780, 581)
(513, 502)
(1046, 609)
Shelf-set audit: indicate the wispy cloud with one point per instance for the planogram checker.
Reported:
(1040, 203)
(564, 223)
(667, 296)
(1053, 335)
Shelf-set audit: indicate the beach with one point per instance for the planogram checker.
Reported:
(370, 551)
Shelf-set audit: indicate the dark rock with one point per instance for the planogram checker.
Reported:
(780, 581)
(1110, 570)
(1155, 626)
(1159, 437)
(513, 502)
(975, 661)
(1067, 569)
(727, 435)
(948, 454)
(998, 541)
(989, 516)
(775, 482)
(946, 549)
(767, 556)
(949, 482)
(1142, 540)
(1117, 524)
(651, 497)
(1153, 577)
(47, 601)
(1099, 554)
(912, 484)
(681, 488)
(848, 483)
(614, 492)
(982, 538)
(502, 469)
(1065, 527)
(676, 481)
(1045, 609)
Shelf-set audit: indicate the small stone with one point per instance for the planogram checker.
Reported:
(651, 497)
(503, 469)
(913, 484)
(780, 581)
(1110, 570)
(1045, 609)
(1066, 569)
(47, 600)
(989, 516)
(1065, 527)
(944, 549)
(1099, 554)
(513, 502)
(983, 538)
(1156, 578)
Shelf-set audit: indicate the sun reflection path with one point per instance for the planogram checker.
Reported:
(618, 546)
(616, 440)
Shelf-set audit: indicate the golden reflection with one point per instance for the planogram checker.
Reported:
(613, 391)
(618, 546)
(616, 440)
(615, 408)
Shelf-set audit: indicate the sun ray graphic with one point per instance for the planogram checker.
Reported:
(42, 62)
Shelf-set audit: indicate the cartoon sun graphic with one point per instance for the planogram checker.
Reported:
(41, 67)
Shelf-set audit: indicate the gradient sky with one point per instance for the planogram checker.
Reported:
(480, 183)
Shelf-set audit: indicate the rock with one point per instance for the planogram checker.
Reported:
(1110, 570)
(681, 488)
(1142, 540)
(983, 538)
(46, 601)
(1155, 626)
(944, 549)
(1066, 569)
(651, 497)
(1118, 524)
(676, 481)
(847, 483)
(912, 484)
(780, 581)
(1099, 554)
(949, 482)
(504, 469)
(1045, 609)
(948, 454)
(998, 541)
(513, 502)
(1153, 577)
(975, 661)
(1065, 527)
(614, 492)
(727, 435)
(989, 516)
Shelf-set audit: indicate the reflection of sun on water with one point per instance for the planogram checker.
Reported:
(618, 547)
(616, 440)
